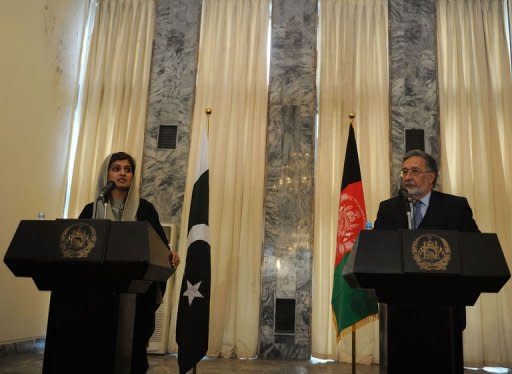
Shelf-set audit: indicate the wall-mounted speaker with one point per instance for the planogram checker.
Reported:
(284, 316)
(167, 136)
(414, 139)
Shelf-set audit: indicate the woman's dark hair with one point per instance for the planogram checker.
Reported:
(429, 160)
(122, 156)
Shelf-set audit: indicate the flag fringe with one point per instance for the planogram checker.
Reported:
(346, 331)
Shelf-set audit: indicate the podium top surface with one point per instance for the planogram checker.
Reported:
(427, 262)
(85, 249)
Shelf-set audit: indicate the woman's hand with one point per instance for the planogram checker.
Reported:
(174, 259)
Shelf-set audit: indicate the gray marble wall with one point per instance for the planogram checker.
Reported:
(286, 269)
(413, 77)
(171, 101)
(286, 265)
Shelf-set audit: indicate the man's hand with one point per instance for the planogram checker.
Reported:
(174, 259)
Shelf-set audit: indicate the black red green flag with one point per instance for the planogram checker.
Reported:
(351, 307)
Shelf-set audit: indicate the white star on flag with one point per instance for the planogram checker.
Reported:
(192, 292)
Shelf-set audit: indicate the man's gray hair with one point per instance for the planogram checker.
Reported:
(429, 160)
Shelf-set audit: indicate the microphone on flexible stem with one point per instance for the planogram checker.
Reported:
(106, 190)
(408, 200)
(103, 197)
(404, 194)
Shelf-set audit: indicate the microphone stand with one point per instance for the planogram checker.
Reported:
(105, 202)
(410, 207)
(103, 196)
(96, 207)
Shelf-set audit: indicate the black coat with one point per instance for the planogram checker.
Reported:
(145, 212)
(445, 212)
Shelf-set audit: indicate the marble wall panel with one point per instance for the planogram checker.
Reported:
(413, 77)
(286, 269)
(171, 101)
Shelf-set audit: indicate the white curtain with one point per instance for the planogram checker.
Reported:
(232, 80)
(509, 22)
(353, 77)
(475, 94)
(112, 106)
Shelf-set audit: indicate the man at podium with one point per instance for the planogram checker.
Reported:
(419, 206)
(120, 201)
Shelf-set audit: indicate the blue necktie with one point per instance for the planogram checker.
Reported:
(417, 213)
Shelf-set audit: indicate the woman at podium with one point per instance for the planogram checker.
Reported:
(121, 202)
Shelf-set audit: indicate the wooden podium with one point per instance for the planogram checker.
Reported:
(425, 278)
(94, 269)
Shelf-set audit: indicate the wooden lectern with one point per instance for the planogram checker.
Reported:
(94, 269)
(425, 278)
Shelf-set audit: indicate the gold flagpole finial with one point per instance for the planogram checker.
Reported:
(208, 112)
(351, 115)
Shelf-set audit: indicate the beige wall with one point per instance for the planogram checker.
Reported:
(40, 41)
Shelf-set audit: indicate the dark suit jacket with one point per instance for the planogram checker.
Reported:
(445, 212)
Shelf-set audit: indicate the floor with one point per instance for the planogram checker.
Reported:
(31, 363)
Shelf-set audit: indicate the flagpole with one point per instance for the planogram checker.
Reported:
(351, 116)
(208, 112)
(353, 350)
(352, 308)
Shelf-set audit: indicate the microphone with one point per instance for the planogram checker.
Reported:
(404, 194)
(106, 190)
(408, 200)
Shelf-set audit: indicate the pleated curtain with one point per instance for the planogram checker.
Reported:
(111, 109)
(232, 80)
(475, 96)
(353, 77)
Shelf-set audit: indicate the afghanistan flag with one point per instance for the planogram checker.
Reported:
(194, 304)
(350, 306)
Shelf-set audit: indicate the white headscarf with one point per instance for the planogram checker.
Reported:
(131, 203)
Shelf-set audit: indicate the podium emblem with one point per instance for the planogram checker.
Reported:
(77, 240)
(431, 252)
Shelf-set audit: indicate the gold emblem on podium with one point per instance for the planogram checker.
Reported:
(78, 240)
(431, 252)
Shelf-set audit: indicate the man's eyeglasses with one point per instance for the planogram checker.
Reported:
(414, 172)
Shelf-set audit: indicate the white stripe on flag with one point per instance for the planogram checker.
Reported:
(198, 232)
(202, 162)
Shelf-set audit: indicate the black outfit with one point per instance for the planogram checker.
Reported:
(445, 212)
(147, 303)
